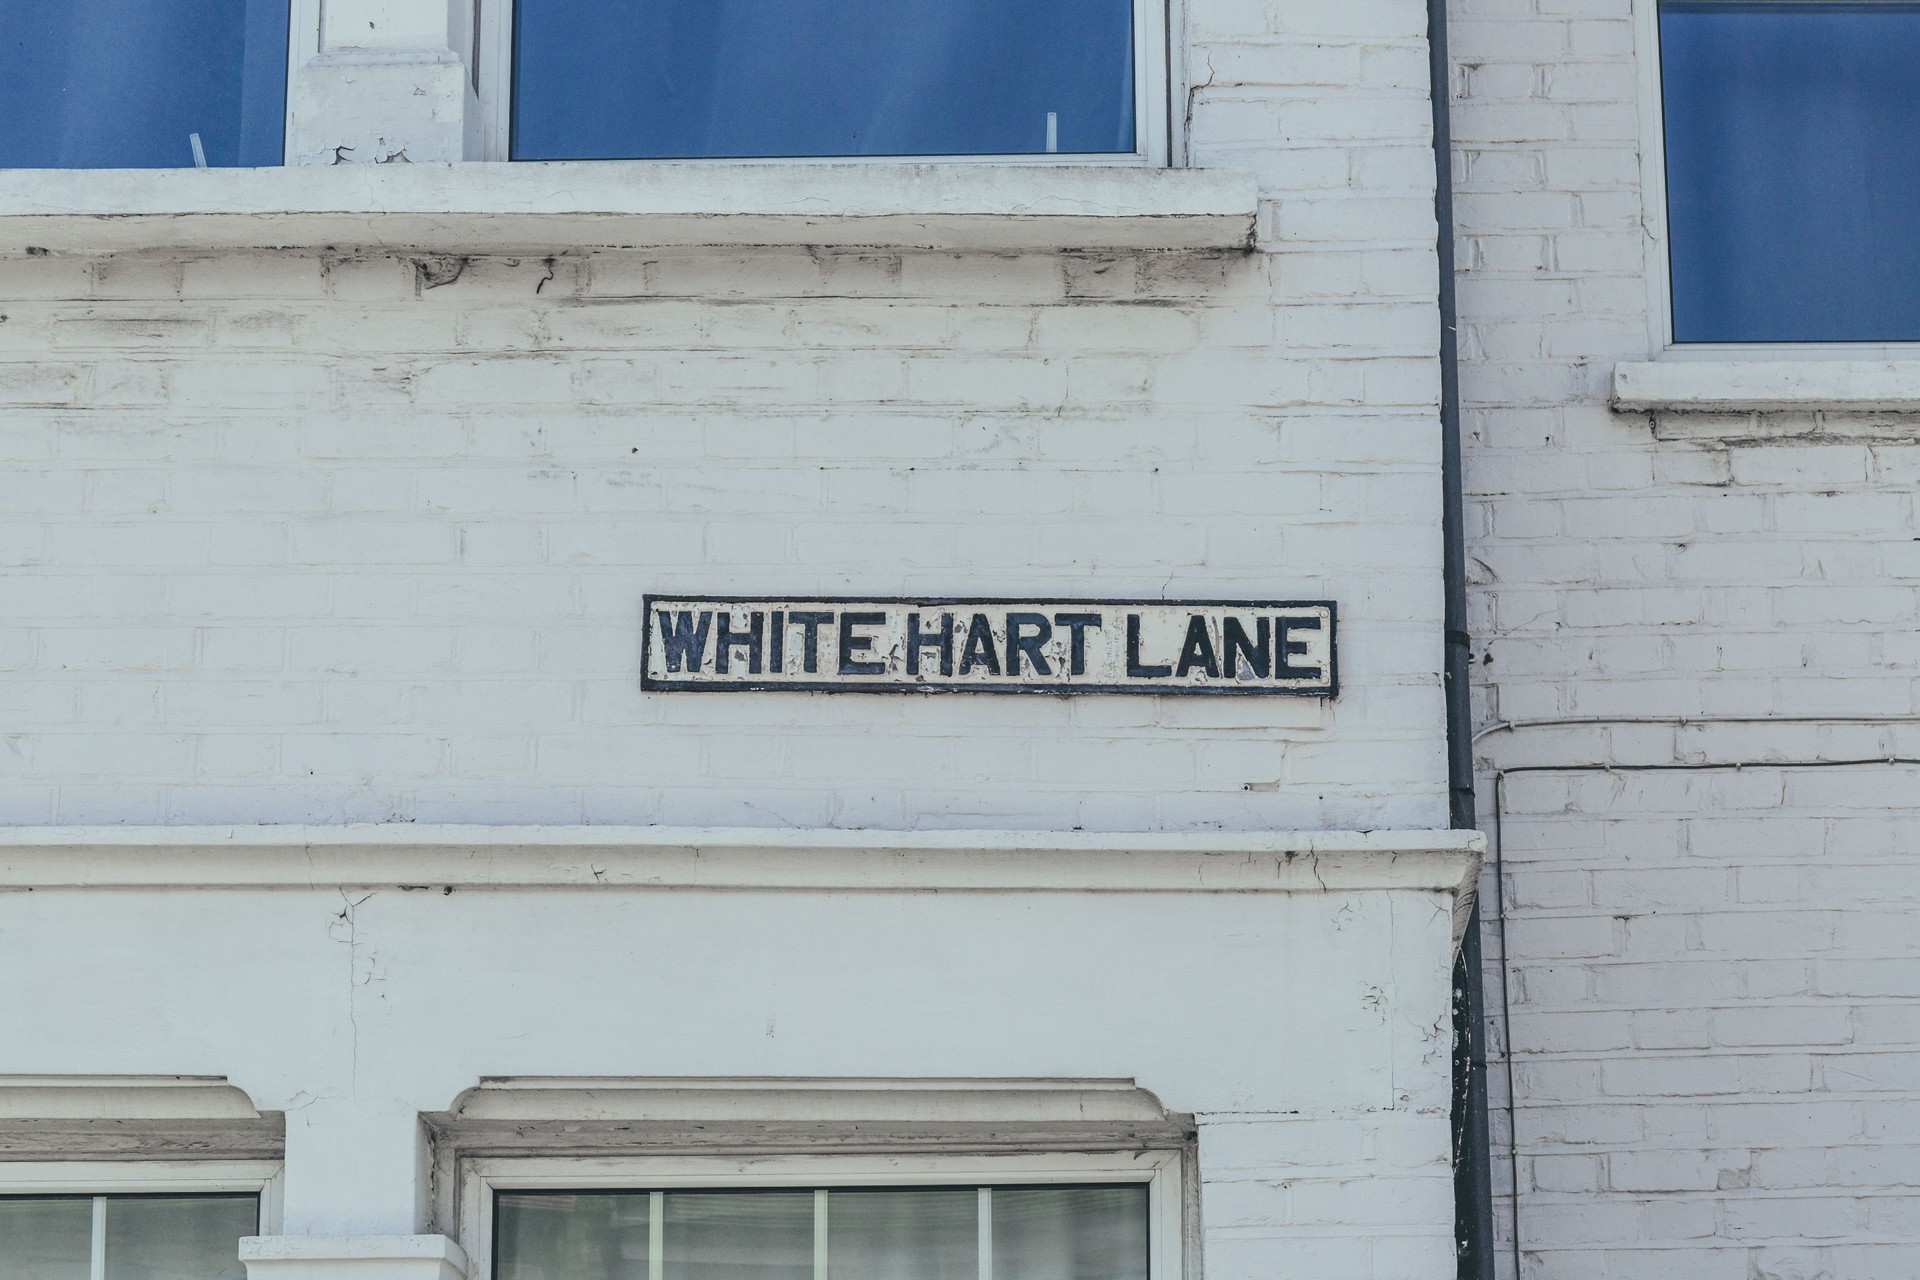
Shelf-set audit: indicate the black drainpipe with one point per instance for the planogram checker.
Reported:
(1472, 1172)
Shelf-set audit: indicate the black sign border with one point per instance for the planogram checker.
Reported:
(664, 684)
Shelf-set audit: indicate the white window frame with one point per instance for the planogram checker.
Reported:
(1154, 21)
(1659, 265)
(104, 1180)
(303, 46)
(482, 1179)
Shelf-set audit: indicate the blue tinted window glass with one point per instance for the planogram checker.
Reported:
(665, 79)
(123, 84)
(1793, 169)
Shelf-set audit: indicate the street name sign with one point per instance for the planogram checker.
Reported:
(966, 645)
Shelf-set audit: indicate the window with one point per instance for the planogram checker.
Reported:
(1063, 1216)
(886, 1233)
(1792, 132)
(125, 1237)
(701, 79)
(142, 84)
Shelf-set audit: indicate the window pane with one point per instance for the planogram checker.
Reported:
(1070, 1233)
(738, 1235)
(1793, 169)
(104, 84)
(45, 1239)
(664, 79)
(571, 1236)
(903, 1235)
(179, 1237)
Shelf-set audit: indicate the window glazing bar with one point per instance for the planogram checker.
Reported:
(819, 1235)
(656, 1234)
(986, 1233)
(97, 1254)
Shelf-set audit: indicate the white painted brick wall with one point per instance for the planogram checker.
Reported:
(1715, 1023)
(302, 536)
(1337, 1175)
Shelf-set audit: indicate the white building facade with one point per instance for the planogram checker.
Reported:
(362, 898)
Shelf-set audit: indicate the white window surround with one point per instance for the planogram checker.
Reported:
(461, 52)
(188, 1120)
(147, 1177)
(725, 1123)
(492, 46)
(63, 1118)
(389, 145)
(482, 1179)
(1736, 377)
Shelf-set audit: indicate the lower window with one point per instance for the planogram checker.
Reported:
(125, 1237)
(850, 1233)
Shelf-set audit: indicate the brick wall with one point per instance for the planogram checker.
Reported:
(1716, 1041)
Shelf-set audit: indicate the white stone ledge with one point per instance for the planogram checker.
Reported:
(551, 207)
(425, 856)
(1749, 386)
(352, 1258)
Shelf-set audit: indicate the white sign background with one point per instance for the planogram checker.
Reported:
(961, 645)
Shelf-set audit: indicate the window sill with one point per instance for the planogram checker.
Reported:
(538, 208)
(1767, 386)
